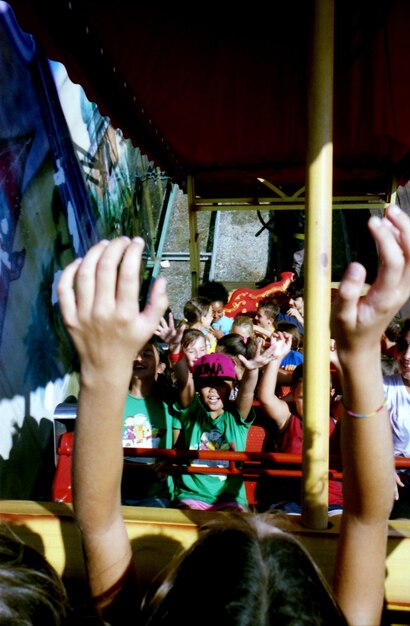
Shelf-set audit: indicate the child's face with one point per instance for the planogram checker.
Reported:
(207, 319)
(217, 310)
(403, 356)
(262, 319)
(297, 303)
(195, 349)
(146, 363)
(216, 394)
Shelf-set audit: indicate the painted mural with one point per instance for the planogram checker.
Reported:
(67, 178)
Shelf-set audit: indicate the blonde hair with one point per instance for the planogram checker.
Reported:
(245, 323)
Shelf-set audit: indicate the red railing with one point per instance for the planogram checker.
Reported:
(251, 465)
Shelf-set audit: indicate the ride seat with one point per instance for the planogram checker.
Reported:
(61, 489)
(260, 439)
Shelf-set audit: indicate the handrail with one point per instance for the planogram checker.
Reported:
(227, 455)
(252, 462)
(250, 465)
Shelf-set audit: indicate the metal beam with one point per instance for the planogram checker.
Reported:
(318, 262)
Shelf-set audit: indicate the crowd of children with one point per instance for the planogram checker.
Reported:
(208, 359)
(187, 390)
(248, 551)
(209, 404)
(251, 568)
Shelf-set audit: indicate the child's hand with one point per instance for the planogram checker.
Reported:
(293, 312)
(281, 343)
(168, 333)
(279, 346)
(358, 322)
(98, 298)
(215, 332)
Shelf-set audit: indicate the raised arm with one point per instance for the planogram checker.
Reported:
(275, 408)
(99, 303)
(173, 336)
(246, 393)
(368, 468)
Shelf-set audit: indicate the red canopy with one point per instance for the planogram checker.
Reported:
(221, 93)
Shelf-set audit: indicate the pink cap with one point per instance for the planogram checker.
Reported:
(215, 365)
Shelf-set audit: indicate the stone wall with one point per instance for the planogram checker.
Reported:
(240, 256)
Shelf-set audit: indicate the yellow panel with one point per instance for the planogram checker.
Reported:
(159, 534)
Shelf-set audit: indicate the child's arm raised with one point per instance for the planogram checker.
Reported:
(173, 336)
(246, 393)
(274, 407)
(99, 303)
(368, 469)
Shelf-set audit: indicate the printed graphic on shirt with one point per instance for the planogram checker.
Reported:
(213, 440)
(138, 432)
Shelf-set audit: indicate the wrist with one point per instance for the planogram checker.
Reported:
(358, 356)
(174, 357)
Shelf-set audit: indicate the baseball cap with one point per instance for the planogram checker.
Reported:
(215, 365)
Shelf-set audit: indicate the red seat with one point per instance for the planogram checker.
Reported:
(260, 439)
(61, 489)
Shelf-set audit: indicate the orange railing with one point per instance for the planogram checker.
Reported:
(248, 464)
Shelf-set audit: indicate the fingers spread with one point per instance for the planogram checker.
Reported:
(393, 278)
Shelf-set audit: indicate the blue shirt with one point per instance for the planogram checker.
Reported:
(224, 324)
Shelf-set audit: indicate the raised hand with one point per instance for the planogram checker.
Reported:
(356, 320)
(167, 331)
(279, 345)
(98, 298)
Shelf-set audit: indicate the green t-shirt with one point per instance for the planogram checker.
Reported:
(147, 423)
(200, 432)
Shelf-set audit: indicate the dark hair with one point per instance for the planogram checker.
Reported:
(295, 289)
(31, 591)
(195, 308)
(265, 577)
(405, 327)
(297, 375)
(292, 329)
(394, 329)
(164, 385)
(214, 291)
(270, 306)
(401, 343)
(233, 344)
(161, 347)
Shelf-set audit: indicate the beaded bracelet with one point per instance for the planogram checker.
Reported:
(174, 358)
(363, 415)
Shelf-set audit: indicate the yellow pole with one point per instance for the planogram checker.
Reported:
(193, 237)
(318, 261)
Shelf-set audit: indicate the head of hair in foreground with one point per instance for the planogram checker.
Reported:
(31, 592)
(251, 572)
